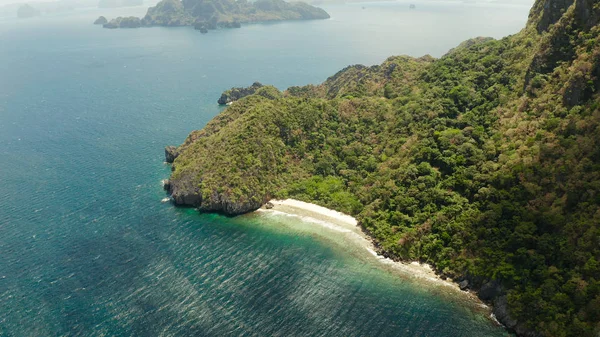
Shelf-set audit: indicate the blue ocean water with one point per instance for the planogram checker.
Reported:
(86, 246)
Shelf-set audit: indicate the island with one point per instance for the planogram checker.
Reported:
(483, 163)
(205, 15)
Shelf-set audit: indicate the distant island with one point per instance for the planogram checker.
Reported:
(205, 15)
(26, 11)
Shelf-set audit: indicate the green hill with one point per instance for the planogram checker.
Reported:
(485, 163)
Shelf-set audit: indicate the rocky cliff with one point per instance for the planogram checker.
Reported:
(234, 94)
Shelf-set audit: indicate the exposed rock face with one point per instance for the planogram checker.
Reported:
(463, 285)
(227, 206)
(490, 290)
(501, 312)
(184, 192)
(502, 315)
(166, 184)
(558, 45)
(234, 94)
(170, 154)
(549, 12)
(101, 21)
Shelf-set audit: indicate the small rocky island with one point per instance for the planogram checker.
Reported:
(206, 15)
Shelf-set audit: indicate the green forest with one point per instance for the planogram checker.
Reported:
(484, 162)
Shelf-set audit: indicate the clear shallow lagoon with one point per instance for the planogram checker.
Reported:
(88, 249)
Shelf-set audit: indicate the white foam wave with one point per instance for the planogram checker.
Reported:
(322, 223)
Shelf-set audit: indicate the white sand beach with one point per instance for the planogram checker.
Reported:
(347, 225)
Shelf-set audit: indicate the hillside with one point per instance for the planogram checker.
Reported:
(210, 14)
(484, 163)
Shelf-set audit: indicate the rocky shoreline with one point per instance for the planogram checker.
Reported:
(491, 292)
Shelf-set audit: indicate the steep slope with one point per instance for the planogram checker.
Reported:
(484, 162)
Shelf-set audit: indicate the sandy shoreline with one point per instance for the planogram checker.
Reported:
(348, 225)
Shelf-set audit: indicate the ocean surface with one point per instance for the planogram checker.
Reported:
(88, 249)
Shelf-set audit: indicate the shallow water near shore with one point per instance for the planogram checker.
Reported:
(87, 247)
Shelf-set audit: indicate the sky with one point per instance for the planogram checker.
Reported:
(8, 2)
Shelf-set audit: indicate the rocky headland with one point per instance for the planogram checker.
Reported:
(234, 94)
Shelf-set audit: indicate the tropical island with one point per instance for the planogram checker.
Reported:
(483, 163)
(207, 14)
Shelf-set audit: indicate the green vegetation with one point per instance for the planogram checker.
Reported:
(484, 162)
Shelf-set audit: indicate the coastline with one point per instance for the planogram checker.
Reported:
(347, 225)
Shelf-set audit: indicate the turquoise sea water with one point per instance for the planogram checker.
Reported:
(86, 246)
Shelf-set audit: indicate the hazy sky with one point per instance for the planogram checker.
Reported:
(7, 2)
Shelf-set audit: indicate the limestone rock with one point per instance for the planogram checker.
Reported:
(170, 154)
